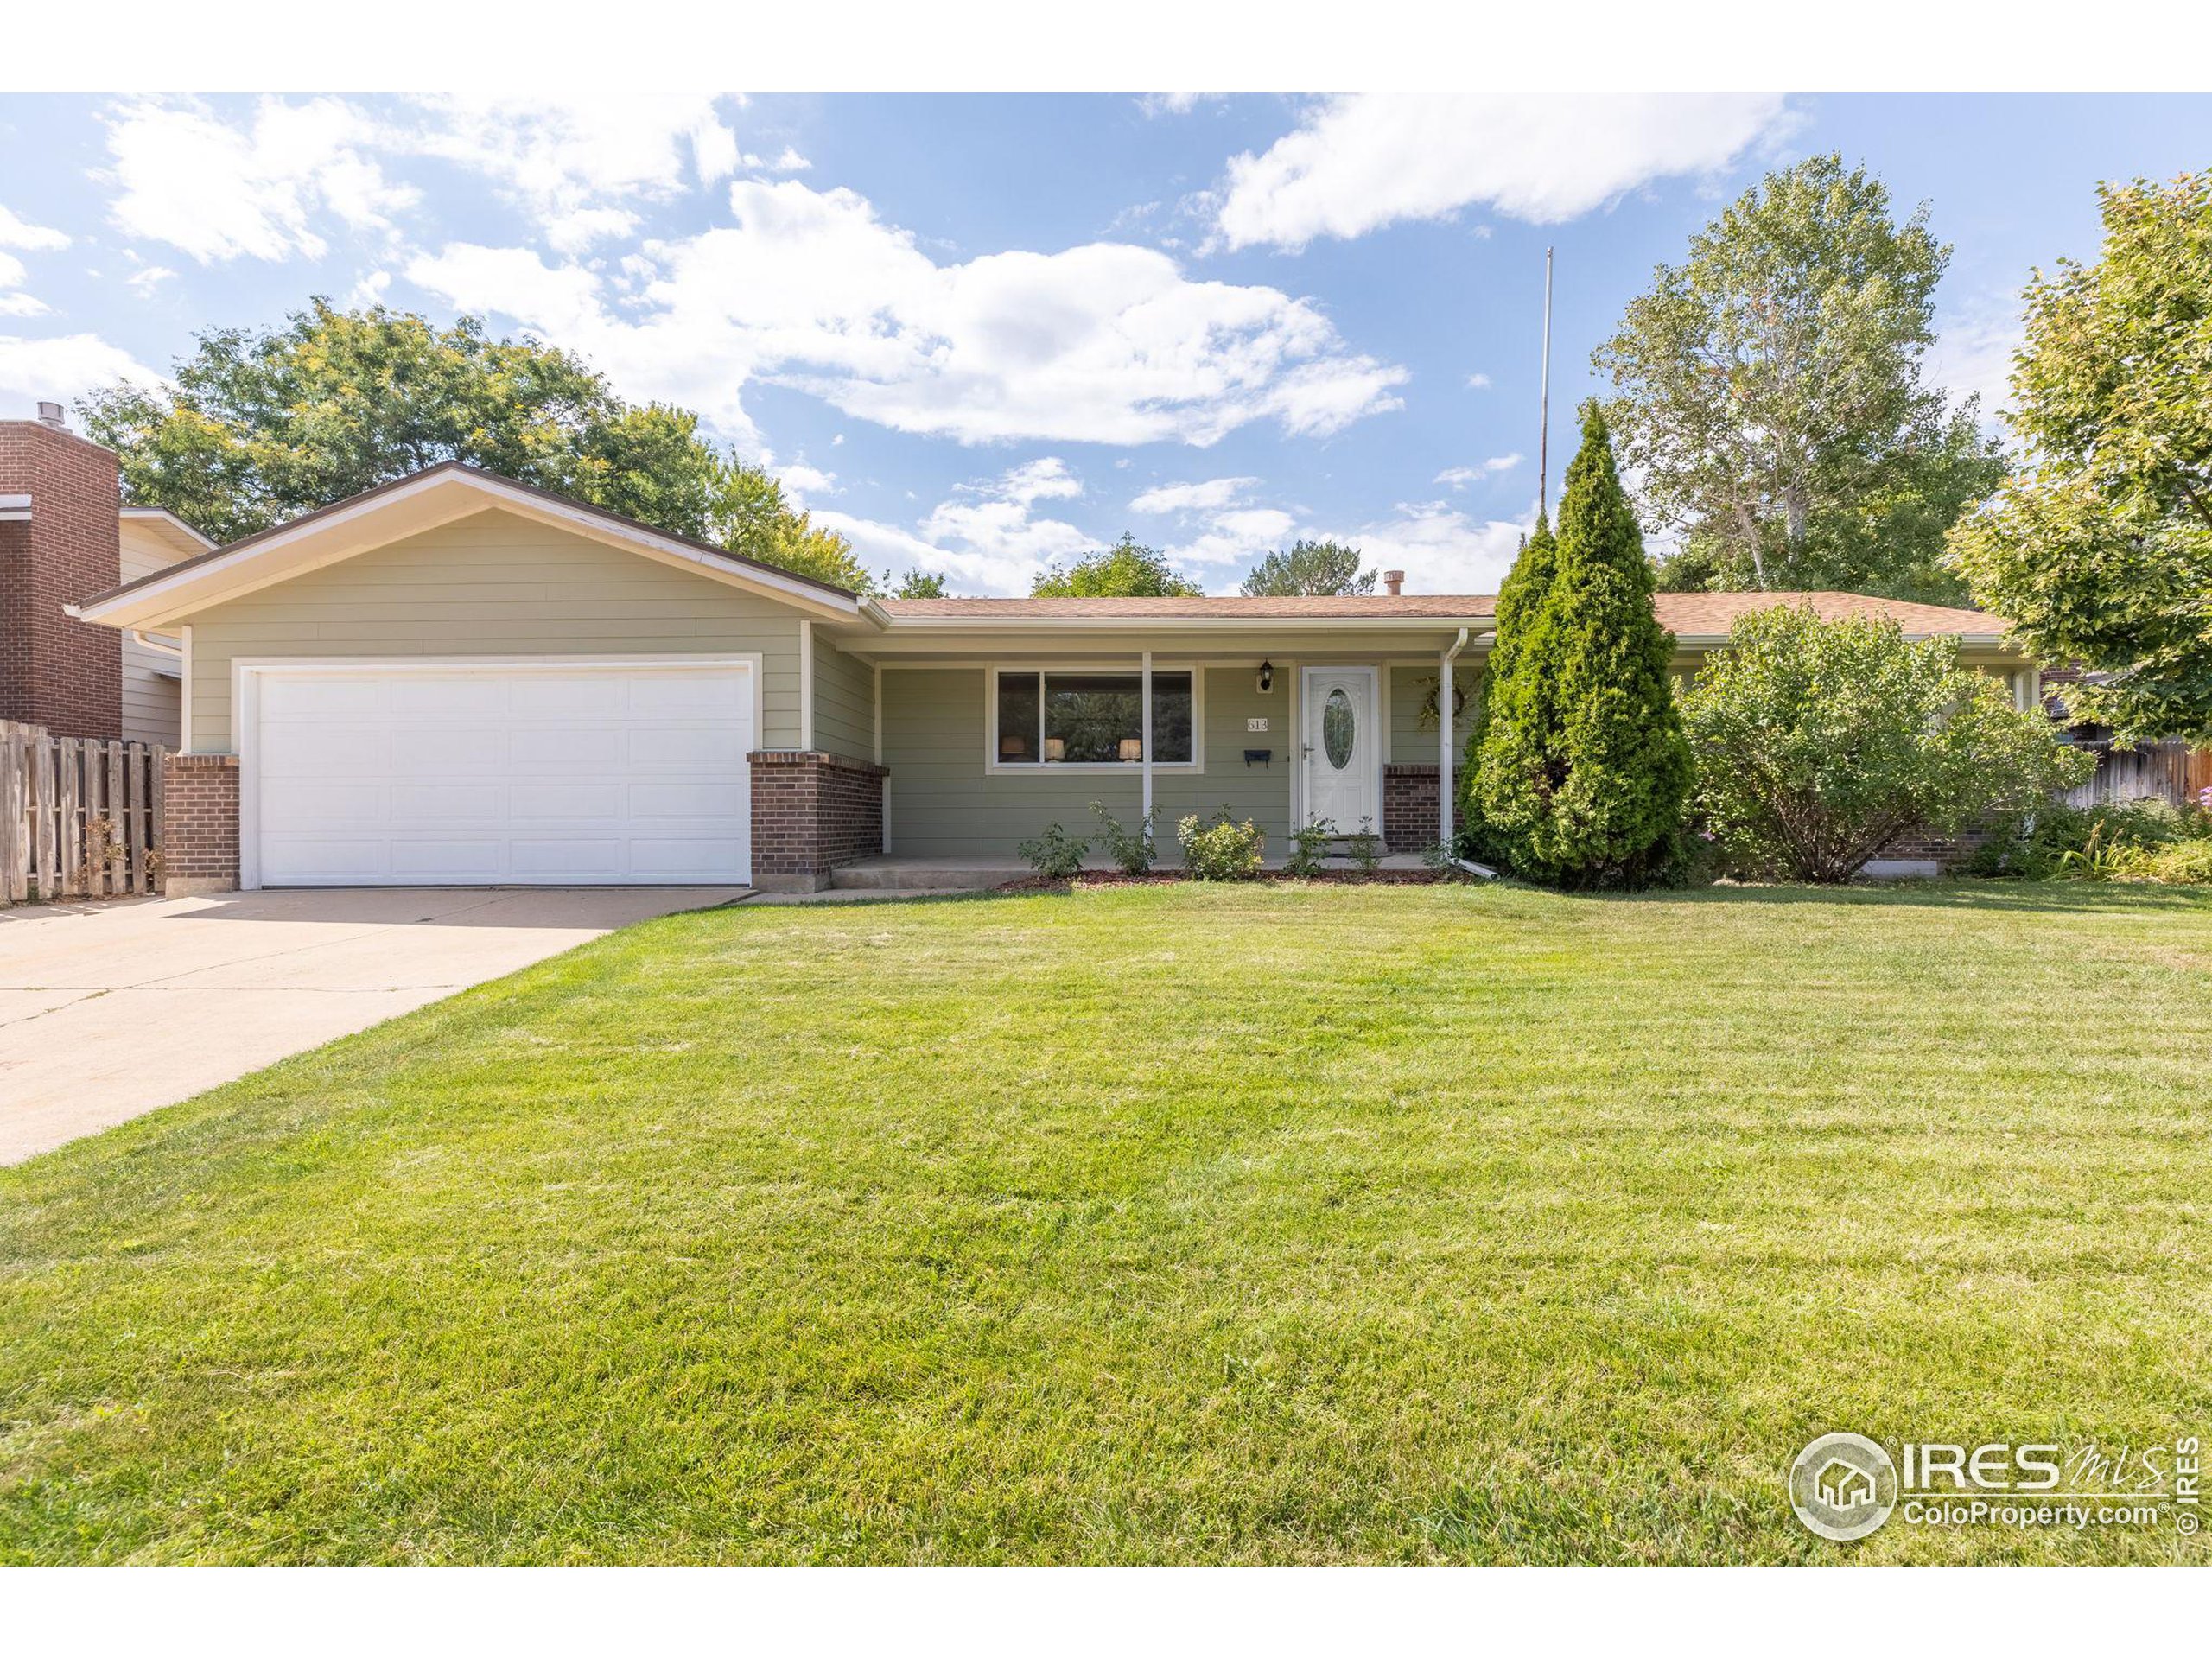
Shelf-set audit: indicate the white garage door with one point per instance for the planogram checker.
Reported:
(446, 775)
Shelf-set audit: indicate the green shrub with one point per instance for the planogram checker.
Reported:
(2187, 863)
(1818, 743)
(1583, 772)
(1132, 851)
(2033, 846)
(1365, 847)
(1055, 855)
(1223, 850)
(1308, 847)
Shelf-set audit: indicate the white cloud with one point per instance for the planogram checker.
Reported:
(218, 191)
(1191, 498)
(144, 282)
(264, 184)
(1972, 355)
(1459, 477)
(1105, 343)
(1357, 163)
(39, 238)
(371, 289)
(1440, 549)
(1479, 381)
(789, 162)
(63, 368)
(800, 480)
(571, 162)
(12, 302)
(984, 537)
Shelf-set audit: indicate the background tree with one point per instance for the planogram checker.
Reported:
(1588, 772)
(1768, 395)
(1307, 568)
(2101, 550)
(259, 428)
(1128, 569)
(1819, 743)
(919, 584)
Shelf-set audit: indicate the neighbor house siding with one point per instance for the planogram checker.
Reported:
(844, 703)
(152, 695)
(494, 584)
(945, 804)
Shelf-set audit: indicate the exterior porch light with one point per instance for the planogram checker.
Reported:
(1267, 677)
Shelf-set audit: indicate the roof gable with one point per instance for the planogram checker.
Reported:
(407, 506)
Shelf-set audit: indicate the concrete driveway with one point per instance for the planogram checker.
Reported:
(110, 1010)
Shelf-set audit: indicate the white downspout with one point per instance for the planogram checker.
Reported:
(1145, 692)
(1444, 736)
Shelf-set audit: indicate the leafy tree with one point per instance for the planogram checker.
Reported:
(919, 584)
(751, 516)
(1128, 569)
(1769, 394)
(2100, 549)
(1818, 743)
(1585, 770)
(1309, 568)
(259, 428)
(1513, 701)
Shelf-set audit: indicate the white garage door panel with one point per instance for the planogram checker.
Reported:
(459, 776)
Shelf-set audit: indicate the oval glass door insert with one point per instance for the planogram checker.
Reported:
(1337, 729)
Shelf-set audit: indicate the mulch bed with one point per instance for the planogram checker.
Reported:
(1278, 878)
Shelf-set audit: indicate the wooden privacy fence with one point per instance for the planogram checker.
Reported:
(80, 818)
(2168, 771)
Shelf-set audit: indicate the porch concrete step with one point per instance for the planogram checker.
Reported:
(942, 873)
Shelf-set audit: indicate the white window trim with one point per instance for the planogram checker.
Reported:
(994, 767)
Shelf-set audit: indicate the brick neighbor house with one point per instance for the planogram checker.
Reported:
(65, 536)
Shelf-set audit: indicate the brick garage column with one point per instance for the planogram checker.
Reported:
(199, 824)
(1409, 808)
(811, 812)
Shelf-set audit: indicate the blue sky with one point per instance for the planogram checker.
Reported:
(980, 334)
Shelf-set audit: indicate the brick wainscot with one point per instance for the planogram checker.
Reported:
(1409, 808)
(199, 824)
(811, 813)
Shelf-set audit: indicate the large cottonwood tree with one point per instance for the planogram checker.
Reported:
(1770, 401)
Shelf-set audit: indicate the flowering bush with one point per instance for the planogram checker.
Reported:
(1223, 850)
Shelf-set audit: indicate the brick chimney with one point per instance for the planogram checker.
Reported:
(59, 543)
(1392, 582)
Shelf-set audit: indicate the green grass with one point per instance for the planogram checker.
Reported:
(1396, 1224)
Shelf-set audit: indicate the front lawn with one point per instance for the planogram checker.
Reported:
(1150, 1223)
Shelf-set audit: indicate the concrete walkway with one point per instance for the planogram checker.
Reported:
(110, 1010)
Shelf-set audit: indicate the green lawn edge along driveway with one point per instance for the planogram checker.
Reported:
(1442, 1223)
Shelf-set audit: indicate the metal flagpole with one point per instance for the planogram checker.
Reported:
(1544, 408)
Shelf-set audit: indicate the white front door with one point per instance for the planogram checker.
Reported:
(1342, 749)
(425, 773)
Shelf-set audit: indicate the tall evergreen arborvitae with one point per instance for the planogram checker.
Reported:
(1584, 772)
(1511, 705)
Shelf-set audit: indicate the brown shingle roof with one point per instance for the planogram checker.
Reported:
(1687, 614)
(1416, 605)
(1715, 614)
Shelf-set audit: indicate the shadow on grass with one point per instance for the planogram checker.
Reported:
(2077, 897)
